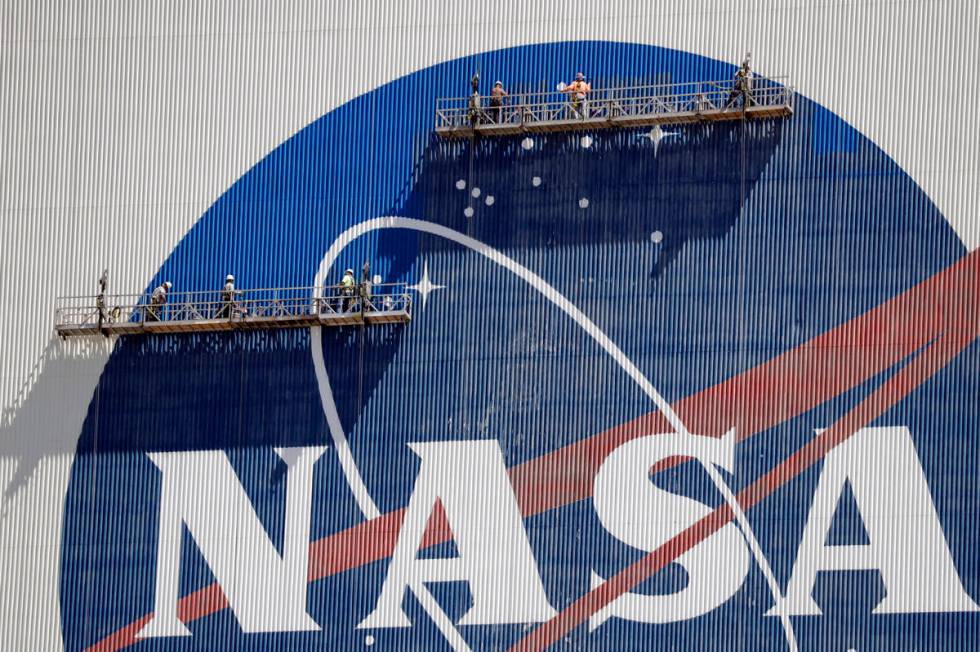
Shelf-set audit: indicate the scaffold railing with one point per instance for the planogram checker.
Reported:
(266, 308)
(632, 106)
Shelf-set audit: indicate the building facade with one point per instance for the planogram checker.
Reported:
(705, 384)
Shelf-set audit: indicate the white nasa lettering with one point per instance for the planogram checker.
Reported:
(495, 558)
(907, 545)
(266, 592)
(643, 516)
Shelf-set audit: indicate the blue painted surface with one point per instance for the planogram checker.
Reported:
(773, 232)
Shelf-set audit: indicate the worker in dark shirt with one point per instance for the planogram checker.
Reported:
(100, 299)
(497, 96)
(473, 110)
(742, 85)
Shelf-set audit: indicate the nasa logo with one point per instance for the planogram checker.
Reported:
(656, 389)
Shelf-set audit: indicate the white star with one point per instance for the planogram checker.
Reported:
(657, 134)
(425, 286)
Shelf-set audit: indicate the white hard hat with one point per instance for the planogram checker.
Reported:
(168, 284)
(498, 83)
(348, 271)
(229, 278)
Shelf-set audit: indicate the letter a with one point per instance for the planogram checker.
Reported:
(470, 480)
(907, 545)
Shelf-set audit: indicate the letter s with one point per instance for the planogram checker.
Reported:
(640, 514)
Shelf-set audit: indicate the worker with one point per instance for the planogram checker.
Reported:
(701, 102)
(364, 289)
(747, 79)
(475, 113)
(497, 96)
(157, 300)
(100, 299)
(578, 95)
(742, 84)
(347, 289)
(228, 306)
(736, 88)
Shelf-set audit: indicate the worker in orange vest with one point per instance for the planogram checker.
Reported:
(578, 92)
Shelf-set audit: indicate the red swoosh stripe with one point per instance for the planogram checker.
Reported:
(890, 393)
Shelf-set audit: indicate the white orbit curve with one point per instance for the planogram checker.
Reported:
(349, 466)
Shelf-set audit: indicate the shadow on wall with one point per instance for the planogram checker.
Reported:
(356, 360)
(206, 391)
(45, 419)
(545, 191)
(671, 186)
(158, 391)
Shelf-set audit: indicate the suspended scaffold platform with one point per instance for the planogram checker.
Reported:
(186, 312)
(626, 107)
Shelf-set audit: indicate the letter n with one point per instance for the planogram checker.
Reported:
(266, 591)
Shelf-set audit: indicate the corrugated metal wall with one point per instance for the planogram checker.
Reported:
(168, 141)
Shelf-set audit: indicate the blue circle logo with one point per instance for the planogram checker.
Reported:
(709, 384)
